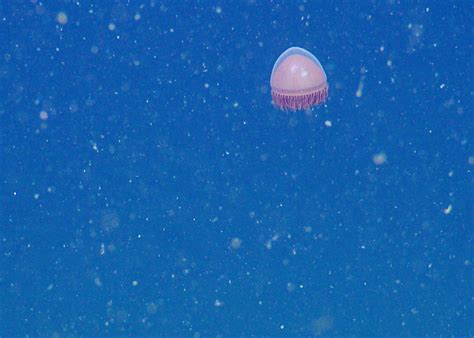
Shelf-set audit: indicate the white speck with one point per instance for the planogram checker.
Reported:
(448, 210)
(379, 158)
(97, 282)
(43, 115)
(235, 243)
(360, 88)
(61, 18)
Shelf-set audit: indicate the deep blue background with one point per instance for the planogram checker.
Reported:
(162, 148)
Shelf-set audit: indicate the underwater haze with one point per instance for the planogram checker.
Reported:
(149, 187)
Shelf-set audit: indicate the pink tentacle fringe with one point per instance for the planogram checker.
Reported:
(303, 101)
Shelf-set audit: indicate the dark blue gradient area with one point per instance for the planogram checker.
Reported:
(150, 188)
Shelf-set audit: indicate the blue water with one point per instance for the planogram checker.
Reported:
(150, 188)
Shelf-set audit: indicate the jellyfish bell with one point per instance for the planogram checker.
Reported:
(298, 80)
